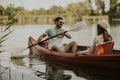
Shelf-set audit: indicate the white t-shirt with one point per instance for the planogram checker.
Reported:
(54, 41)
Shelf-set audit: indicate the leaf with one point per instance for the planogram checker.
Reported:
(5, 35)
(9, 24)
(2, 51)
(2, 40)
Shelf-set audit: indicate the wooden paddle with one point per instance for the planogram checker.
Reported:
(76, 27)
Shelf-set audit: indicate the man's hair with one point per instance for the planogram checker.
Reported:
(57, 19)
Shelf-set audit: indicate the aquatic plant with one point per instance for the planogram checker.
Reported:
(5, 25)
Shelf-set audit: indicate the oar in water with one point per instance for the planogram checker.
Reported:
(76, 27)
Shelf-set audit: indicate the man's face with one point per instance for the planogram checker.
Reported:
(60, 23)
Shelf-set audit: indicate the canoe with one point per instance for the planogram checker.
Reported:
(106, 61)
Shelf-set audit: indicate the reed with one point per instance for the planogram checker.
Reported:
(5, 31)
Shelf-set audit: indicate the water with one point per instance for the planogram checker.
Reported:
(34, 68)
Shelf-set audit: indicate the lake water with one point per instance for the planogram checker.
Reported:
(28, 68)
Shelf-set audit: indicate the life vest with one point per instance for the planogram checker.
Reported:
(46, 44)
(105, 48)
(100, 50)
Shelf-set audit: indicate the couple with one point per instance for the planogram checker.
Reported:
(55, 44)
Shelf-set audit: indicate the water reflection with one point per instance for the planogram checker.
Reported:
(18, 62)
(86, 73)
(42, 70)
(19, 69)
(51, 72)
(55, 73)
(37, 69)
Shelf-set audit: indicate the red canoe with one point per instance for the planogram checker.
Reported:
(107, 61)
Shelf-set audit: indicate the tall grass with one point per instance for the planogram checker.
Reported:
(5, 31)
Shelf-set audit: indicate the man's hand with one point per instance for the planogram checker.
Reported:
(62, 33)
(66, 34)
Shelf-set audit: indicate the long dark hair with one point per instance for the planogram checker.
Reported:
(106, 35)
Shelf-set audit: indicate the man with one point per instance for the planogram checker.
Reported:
(55, 44)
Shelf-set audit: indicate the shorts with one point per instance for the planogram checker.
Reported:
(62, 48)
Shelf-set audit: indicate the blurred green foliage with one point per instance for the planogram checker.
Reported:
(73, 10)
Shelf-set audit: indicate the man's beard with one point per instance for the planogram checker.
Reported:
(59, 26)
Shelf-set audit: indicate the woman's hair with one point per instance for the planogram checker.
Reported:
(106, 35)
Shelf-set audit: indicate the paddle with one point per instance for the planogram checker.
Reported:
(76, 27)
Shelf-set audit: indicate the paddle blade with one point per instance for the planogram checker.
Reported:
(79, 26)
(17, 52)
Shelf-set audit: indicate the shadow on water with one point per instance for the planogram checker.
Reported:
(47, 70)
(87, 73)
(56, 71)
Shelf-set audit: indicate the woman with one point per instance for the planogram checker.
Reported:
(102, 36)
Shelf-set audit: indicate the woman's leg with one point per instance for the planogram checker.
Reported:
(71, 47)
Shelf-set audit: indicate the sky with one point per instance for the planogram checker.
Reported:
(36, 4)
(46, 4)
(107, 2)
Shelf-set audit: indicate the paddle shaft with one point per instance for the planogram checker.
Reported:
(76, 27)
(47, 39)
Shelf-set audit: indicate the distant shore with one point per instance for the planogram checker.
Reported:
(48, 19)
(38, 19)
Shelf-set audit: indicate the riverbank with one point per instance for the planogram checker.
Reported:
(38, 19)
(48, 19)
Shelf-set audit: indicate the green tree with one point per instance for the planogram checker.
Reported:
(20, 11)
(41, 11)
(112, 11)
(101, 5)
(10, 11)
(118, 10)
(1, 10)
(76, 10)
(56, 10)
(34, 12)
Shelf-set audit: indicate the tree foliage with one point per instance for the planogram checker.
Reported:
(73, 10)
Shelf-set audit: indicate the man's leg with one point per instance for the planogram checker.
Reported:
(71, 47)
(55, 48)
(29, 44)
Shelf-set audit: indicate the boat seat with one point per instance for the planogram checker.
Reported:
(105, 48)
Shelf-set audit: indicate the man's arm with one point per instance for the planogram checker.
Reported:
(67, 35)
(41, 37)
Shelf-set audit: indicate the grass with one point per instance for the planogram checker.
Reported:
(5, 31)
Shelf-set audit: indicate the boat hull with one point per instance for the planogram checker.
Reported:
(107, 61)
